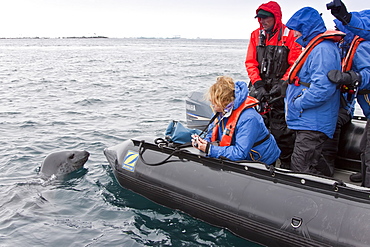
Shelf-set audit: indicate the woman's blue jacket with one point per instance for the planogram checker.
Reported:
(249, 129)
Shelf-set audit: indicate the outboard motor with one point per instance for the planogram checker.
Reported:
(198, 111)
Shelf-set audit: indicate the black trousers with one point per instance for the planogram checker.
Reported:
(275, 122)
(331, 145)
(307, 151)
(284, 136)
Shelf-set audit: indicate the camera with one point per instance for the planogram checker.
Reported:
(333, 4)
(195, 139)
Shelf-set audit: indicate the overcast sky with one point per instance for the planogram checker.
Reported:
(148, 18)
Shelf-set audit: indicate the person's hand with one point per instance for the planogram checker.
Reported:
(276, 89)
(200, 144)
(260, 90)
(339, 11)
(349, 78)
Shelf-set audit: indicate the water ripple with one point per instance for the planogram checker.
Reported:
(88, 94)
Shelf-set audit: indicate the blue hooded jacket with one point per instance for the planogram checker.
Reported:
(316, 107)
(249, 129)
(361, 64)
(360, 24)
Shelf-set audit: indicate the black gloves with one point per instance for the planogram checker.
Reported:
(349, 78)
(276, 89)
(260, 90)
(339, 10)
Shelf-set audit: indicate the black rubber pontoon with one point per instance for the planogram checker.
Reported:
(270, 206)
(267, 205)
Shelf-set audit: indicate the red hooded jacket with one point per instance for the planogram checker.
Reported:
(286, 39)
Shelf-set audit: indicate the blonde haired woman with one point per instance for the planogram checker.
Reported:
(238, 133)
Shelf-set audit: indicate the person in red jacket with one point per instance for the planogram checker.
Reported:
(271, 52)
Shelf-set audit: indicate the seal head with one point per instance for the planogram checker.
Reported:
(62, 163)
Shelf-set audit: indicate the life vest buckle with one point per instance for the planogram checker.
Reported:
(226, 131)
(296, 81)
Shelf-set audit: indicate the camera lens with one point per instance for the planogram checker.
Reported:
(330, 5)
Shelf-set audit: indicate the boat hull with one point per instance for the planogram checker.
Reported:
(272, 207)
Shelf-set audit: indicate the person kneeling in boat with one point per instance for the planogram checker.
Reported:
(239, 132)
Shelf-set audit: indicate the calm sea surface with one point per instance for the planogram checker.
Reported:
(89, 94)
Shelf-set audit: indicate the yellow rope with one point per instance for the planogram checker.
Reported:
(255, 153)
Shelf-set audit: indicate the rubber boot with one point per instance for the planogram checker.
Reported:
(356, 177)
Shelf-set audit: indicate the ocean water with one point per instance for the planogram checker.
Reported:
(89, 94)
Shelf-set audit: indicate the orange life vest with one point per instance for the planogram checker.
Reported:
(348, 60)
(336, 36)
(347, 64)
(232, 121)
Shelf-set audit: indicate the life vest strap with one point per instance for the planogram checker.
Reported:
(306, 84)
(363, 91)
(261, 141)
(226, 138)
(348, 60)
(335, 36)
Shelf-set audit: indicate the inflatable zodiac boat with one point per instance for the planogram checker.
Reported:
(267, 205)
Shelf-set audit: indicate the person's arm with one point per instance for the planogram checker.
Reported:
(360, 24)
(245, 136)
(295, 50)
(361, 63)
(359, 75)
(251, 62)
(356, 22)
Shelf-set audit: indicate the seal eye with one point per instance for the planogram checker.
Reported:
(71, 156)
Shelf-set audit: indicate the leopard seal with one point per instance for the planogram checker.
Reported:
(62, 163)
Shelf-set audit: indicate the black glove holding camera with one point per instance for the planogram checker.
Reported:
(351, 79)
(259, 86)
(339, 10)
